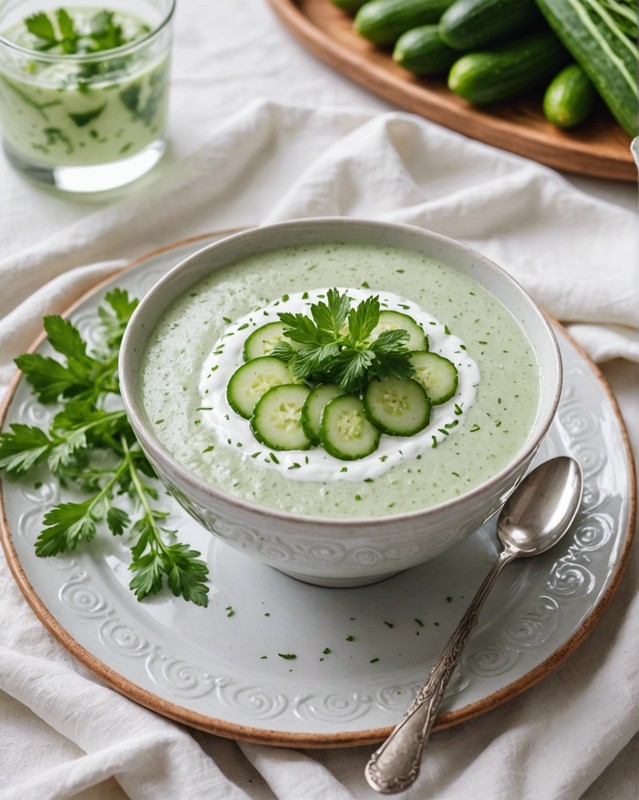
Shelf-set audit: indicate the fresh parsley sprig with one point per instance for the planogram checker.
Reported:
(90, 445)
(336, 344)
(60, 30)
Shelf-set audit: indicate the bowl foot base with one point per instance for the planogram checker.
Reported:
(90, 178)
(338, 583)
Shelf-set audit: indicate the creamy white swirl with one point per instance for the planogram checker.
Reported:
(316, 464)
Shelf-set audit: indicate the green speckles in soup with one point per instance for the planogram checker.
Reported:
(476, 439)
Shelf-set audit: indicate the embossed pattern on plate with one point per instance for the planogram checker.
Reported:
(360, 654)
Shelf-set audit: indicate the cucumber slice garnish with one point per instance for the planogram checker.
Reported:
(395, 320)
(276, 419)
(314, 406)
(397, 407)
(253, 379)
(344, 430)
(262, 341)
(436, 374)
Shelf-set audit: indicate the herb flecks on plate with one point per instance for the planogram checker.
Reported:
(89, 445)
(336, 345)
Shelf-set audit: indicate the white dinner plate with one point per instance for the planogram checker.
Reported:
(354, 657)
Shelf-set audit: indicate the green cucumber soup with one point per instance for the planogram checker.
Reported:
(96, 94)
(198, 344)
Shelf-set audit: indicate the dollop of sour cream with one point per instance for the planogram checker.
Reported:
(316, 464)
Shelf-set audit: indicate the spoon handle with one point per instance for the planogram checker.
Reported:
(395, 765)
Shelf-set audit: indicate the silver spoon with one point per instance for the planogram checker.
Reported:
(534, 518)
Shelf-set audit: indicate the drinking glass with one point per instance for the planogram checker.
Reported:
(85, 121)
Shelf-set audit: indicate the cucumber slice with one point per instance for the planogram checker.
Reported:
(344, 430)
(436, 374)
(262, 341)
(397, 407)
(394, 320)
(314, 406)
(253, 379)
(276, 419)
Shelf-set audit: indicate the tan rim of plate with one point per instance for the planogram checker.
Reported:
(307, 740)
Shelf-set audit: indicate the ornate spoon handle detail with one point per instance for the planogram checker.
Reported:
(395, 765)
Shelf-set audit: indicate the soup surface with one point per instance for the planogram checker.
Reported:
(469, 438)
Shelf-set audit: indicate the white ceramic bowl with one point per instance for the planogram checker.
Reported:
(337, 552)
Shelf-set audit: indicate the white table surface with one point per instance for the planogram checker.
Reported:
(228, 53)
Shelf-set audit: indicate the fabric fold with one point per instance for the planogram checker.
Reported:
(311, 780)
(150, 757)
(555, 240)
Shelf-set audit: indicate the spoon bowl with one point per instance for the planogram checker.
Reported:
(539, 512)
(534, 518)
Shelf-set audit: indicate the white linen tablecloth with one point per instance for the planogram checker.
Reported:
(63, 733)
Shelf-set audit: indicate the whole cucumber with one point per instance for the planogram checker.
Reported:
(422, 52)
(469, 24)
(349, 6)
(570, 98)
(383, 21)
(605, 52)
(491, 75)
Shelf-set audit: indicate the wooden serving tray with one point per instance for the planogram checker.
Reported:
(599, 148)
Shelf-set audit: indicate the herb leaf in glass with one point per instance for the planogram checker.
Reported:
(84, 90)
